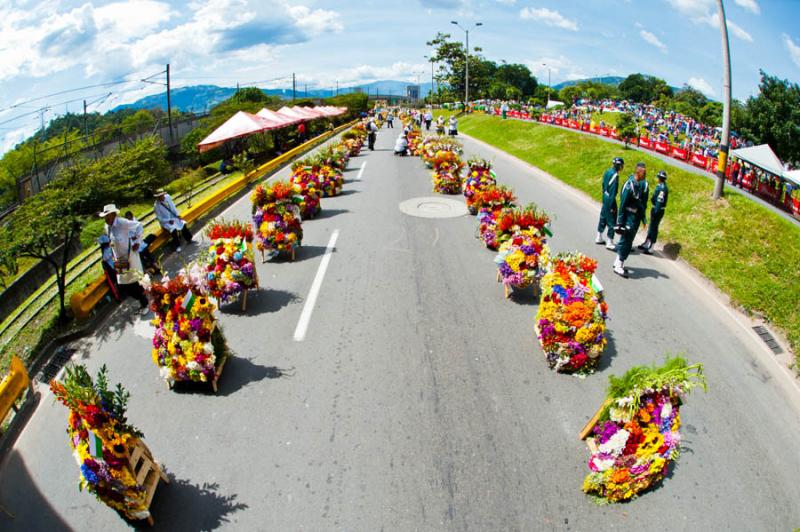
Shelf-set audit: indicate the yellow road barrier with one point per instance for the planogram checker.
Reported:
(13, 386)
(83, 302)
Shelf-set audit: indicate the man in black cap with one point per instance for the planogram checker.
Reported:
(629, 217)
(659, 202)
(608, 212)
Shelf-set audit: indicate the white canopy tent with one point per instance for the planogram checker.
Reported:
(761, 156)
(793, 176)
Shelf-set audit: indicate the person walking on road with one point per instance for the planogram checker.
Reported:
(453, 129)
(440, 125)
(608, 213)
(167, 214)
(428, 120)
(125, 237)
(629, 217)
(390, 120)
(372, 134)
(659, 201)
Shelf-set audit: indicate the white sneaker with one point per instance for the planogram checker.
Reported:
(178, 249)
(619, 268)
(611, 245)
(599, 239)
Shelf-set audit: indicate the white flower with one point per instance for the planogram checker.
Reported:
(166, 374)
(615, 444)
(193, 366)
(602, 464)
(208, 348)
(666, 411)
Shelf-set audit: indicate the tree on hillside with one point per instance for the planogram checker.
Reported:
(569, 94)
(139, 122)
(626, 127)
(643, 89)
(45, 227)
(773, 117)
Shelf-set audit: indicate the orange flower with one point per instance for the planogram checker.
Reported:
(644, 415)
(620, 476)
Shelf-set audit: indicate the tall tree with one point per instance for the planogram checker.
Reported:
(773, 117)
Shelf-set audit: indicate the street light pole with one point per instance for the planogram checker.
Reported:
(466, 56)
(724, 142)
(430, 93)
(548, 83)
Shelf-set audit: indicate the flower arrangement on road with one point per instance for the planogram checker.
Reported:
(491, 198)
(229, 265)
(276, 218)
(307, 186)
(354, 139)
(431, 147)
(414, 138)
(447, 166)
(332, 181)
(521, 258)
(479, 177)
(499, 227)
(187, 344)
(101, 439)
(570, 322)
(636, 433)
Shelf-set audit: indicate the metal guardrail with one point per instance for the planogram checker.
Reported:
(90, 257)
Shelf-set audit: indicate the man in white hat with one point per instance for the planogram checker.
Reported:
(126, 237)
(170, 221)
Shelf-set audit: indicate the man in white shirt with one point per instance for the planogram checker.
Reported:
(126, 238)
(170, 221)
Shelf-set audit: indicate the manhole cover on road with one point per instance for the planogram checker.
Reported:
(433, 207)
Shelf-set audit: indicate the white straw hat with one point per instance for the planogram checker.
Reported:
(108, 209)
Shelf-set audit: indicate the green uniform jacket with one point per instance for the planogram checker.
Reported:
(610, 186)
(659, 199)
(644, 193)
(630, 204)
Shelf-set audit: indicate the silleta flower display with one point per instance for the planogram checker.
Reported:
(480, 176)
(307, 186)
(570, 322)
(187, 344)
(497, 226)
(102, 440)
(636, 433)
(276, 218)
(490, 199)
(521, 258)
(229, 260)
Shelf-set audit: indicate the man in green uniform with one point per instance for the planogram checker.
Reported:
(629, 217)
(608, 213)
(659, 202)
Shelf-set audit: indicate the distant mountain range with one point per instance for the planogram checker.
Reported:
(607, 80)
(198, 98)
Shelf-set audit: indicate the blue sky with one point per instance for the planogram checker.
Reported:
(52, 46)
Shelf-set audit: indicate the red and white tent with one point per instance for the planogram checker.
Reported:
(286, 120)
(239, 125)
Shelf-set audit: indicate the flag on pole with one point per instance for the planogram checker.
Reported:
(596, 286)
(188, 301)
(546, 230)
(95, 445)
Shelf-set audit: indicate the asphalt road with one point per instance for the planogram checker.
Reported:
(419, 398)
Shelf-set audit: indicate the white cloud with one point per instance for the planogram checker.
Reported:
(549, 17)
(794, 49)
(125, 20)
(397, 71)
(561, 68)
(750, 5)
(701, 85)
(507, 2)
(316, 21)
(705, 12)
(652, 39)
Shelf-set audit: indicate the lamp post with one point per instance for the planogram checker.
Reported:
(724, 141)
(430, 93)
(548, 83)
(466, 57)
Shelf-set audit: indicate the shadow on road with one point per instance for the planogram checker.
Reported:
(609, 353)
(266, 300)
(329, 213)
(345, 193)
(671, 250)
(22, 505)
(239, 372)
(181, 505)
(643, 273)
(524, 296)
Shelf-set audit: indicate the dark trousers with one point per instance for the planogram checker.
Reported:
(607, 216)
(176, 236)
(652, 230)
(428, 125)
(371, 141)
(135, 291)
(390, 123)
(631, 223)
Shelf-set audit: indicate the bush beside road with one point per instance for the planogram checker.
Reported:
(749, 252)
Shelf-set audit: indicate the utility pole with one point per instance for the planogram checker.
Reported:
(294, 86)
(337, 87)
(85, 123)
(548, 84)
(169, 108)
(724, 141)
(466, 57)
(305, 90)
(237, 92)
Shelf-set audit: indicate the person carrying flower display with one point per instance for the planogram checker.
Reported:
(167, 214)
(126, 237)
(659, 202)
(608, 212)
(629, 217)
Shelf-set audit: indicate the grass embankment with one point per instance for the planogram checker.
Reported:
(750, 253)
